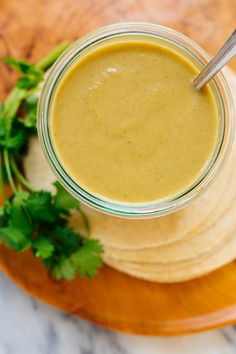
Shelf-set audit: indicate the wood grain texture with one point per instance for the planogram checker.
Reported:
(29, 29)
(117, 301)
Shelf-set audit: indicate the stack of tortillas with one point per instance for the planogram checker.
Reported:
(177, 247)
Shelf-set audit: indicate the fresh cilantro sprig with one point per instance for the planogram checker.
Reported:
(38, 220)
(32, 73)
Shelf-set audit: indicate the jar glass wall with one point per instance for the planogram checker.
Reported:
(188, 49)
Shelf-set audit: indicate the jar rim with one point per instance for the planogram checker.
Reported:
(126, 209)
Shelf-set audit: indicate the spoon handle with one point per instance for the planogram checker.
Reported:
(227, 52)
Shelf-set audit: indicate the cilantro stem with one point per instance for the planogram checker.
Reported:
(8, 170)
(19, 175)
(2, 190)
(49, 59)
(31, 218)
(14, 99)
(11, 106)
(13, 102)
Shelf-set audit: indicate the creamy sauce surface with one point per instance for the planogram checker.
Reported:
(127, 124)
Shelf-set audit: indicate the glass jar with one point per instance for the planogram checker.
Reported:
(187, 48)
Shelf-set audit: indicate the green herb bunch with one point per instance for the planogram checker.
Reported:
(30, 219)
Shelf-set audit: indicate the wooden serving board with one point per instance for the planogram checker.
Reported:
(117, 301)
(29, 30)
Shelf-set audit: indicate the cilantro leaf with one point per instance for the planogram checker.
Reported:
(64, 269)
(18, 230)
(30, 107)
(2, 222)
(17, 137)
(64, 200)
(23, 67)
(43, 247)
(19, 218)
(21, 196)
(33, 74)
(87, 259)
(28, 82)
(19, 65)
(16, 140)
(3, 219)
(68, 240)
(8, 207)
(2, 132)
(14, 238)
(40, 206)
(38, 220)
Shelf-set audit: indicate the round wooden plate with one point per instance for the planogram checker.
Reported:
(117, 301)
(113, 299)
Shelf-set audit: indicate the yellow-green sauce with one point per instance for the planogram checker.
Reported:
(128, 125)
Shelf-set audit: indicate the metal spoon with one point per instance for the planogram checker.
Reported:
(225, 54)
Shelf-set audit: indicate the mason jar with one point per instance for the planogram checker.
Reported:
(188, 49)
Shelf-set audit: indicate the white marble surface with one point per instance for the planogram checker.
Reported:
(28, 326)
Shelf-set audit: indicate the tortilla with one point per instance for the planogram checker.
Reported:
(173, 274)
(181, 271)
(221, 253)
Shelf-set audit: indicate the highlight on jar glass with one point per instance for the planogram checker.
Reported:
(122, 127)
